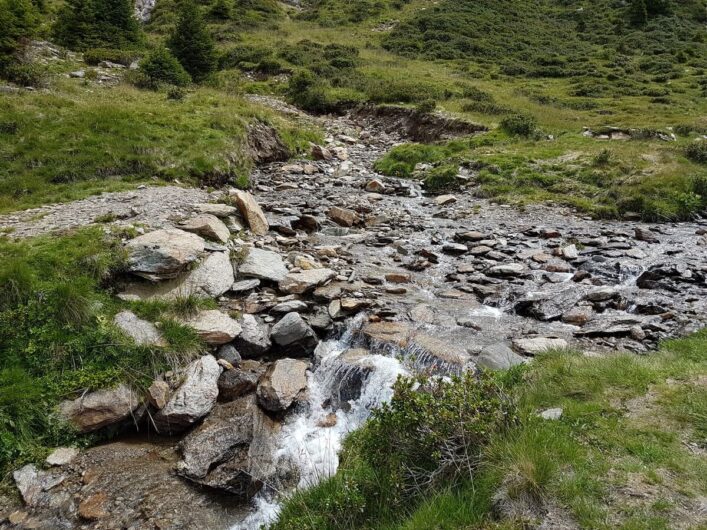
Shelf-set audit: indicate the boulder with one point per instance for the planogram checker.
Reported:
(292, 335)
(254, 339)
(100, 409)
(537, 345)
(305, 281)
(354, 367)
(251, 212)
(240, 381)
(234, 450)
(507, 269)
(264, 265)
(343, 216)
(207, 226)
(549, 305)
(32, 483)
(163, 254)
(210, 279)
(193, 400)
(282, 384)
(213, 326)
(498, 357)
(142, 332)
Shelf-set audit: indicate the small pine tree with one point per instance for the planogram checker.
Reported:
(638, 13)
(18, 20)
(83, 24)
(191, 42)
(161, 67)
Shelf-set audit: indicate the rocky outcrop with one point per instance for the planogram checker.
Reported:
(264, 144)
(99, 409)
(193, 400)
(283, 383)
(163, 254)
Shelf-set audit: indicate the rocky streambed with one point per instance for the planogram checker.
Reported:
(331, 281)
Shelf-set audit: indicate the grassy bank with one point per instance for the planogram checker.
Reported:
(57, 338)
(628, 452)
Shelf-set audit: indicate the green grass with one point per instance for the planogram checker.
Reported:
(624, 429)
(80, 139)
(57, 338)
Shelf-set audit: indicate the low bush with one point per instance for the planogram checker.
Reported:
(697, 151)
(93, 56)
(161, 67)
(518, 125)
(429, 436)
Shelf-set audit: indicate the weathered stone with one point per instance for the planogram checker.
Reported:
(141, 331)
(251, 212)
(245, 285)
(498, 357)
(578, 316)
(194, 399)
(229, 353)
(62, 456)
(537, 345)
(158, 394)
(507, 269)
(207, 226)
(163, 254)
(293, 335)
(602, 294)
(343, 216)
(444, 200)
(100, 409)
(549, 305)
(551, 414)
(375, 186)
(398, 277)
(213, 326)
(220, 210)
(305, 281)
(264, 265)
(240, 381)
(254, 339)
(94, 507)
(282, 384)
(321, 153)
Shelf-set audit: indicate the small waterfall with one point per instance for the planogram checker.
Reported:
(311, 440)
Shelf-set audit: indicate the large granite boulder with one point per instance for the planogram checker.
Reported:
(207, 226)
(213, 326)
(305, 281)
(293, 336)
(284, 382)
(264, 265)
(142, 332)
(251, 212)
(254, 339)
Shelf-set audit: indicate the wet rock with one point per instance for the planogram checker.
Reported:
(62, 456)
(613, 324)
(455, 249)
(207, 226)
(251, 212)
(549, 305)
(602, 294)
(298, 306)
(140, 331)
(498, 357)
(321, 153)
(642, 234)
(293, 335)
(282, 384)
(94, 507)
(213, 326)
(32, 483)
(444, 200)
(254, 339)
(264, 265)
(163, 254)
(375, 186)
(536, 345)
(229, 353)
(100, 409)
(354, 367)
(578, 316)
(240, 381)
(193, 400)
(305, 281)
(343, 216)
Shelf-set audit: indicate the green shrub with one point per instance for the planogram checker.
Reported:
(697, 151)
(161, 67)
(427, 106)
(519, 125)
(18, 20)
(429, 437)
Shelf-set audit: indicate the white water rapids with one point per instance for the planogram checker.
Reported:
(303, 441)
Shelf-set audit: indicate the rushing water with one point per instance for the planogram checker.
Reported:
(311, 448)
